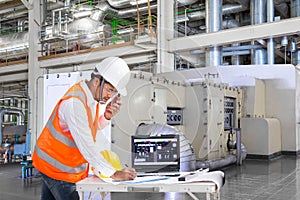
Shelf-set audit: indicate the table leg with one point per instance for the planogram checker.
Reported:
(193, 196)
(207, 196)
(216, 196)
(81, 195)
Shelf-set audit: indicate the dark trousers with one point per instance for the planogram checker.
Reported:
(57, 190)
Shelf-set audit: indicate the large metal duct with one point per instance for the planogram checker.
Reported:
(187, 156)
(3, 111)
(103, 9)
(87, 32)
(14, 46)
(125, 3)
(187, 2)
(119, 3)
(14, 15)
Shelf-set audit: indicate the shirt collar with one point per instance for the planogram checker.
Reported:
(89, 95)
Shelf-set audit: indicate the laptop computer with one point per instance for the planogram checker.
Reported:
(156, 155)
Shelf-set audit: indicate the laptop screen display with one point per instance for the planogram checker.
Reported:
(156, 153)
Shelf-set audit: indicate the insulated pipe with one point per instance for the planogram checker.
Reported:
(270, 18)
(125, 3)
(236, 54)
(198, 15)
(125, 13)
(53, 22)
(14, 15)
(233, 8)
(295, 12)
(238, 147)
(67, 3)
(258, 10)
(28, 134)
(295, 8)
(213, 56)
(297, 57)
(187, 2)
(221, 162)
(235, 58)
(119, 3)
(21, 25)
(239, 48)
(228, 24)
(105, 8)
(213, 24)
(10, 111)
(12, 10)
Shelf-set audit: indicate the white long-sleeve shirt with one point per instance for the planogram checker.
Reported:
(73, 118)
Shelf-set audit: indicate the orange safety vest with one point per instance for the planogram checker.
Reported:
(56, 154)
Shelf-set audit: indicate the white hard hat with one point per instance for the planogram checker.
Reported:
(115, 71)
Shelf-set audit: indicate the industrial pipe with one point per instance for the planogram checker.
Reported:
(221, 162)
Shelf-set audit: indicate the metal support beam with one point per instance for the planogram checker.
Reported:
(93, 56)
(242, 34)
(14, 77)
(13, 69)
(27, 4)
(165, 31)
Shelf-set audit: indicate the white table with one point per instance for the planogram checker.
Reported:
(95, 184)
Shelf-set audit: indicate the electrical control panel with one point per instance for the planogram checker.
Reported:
(229, 113)
(174, 116)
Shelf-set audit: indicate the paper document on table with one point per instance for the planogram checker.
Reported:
(140, 180)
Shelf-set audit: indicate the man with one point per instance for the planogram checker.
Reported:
(67, 142)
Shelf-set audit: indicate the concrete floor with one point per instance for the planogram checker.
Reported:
(277, 179)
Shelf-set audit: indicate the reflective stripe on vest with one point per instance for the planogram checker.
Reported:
(76, 93)
(62, 138)
(60, 166)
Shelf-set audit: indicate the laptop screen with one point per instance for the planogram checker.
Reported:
(156, 153)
